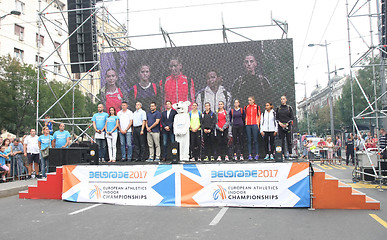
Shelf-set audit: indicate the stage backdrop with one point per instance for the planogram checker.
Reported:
(274, 71)
(247, 185)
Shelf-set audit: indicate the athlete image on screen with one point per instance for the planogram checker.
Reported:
(144, 91)
(253, 83)
(213, 93)
(177, 87)
(111, 94)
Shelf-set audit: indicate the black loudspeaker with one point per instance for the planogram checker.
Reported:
(68, 156)
(366, 177)
(93, 154)
(82, 43)
(173, 153)
(278, 149)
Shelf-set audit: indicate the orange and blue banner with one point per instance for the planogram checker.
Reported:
(241, 185)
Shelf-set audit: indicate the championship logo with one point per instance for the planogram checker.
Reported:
(219, 192)
(95, 193)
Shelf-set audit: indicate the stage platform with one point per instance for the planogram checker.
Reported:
(288, 184)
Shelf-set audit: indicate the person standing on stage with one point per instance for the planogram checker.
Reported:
(167, 118)
(139, 122)
(195, 137)
(111, 127)
(253, 83)
(61, 138)
(207, 122)
(125, 131)
(285, 117)
(223, 122)
(44, 142)
(144, 91)
(269, 130)
(213, 93)
(111, 94)
(252, 120)
(153, 132)
(177, 87)
(99, 121)
(31, 151)
(237, 116)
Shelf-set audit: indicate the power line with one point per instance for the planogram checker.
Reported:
(307, 32)
(187, 6)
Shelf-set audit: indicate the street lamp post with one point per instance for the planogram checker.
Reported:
(330, 85)
(13, 12)
(306, 106)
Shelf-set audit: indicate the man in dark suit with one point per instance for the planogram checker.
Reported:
(167, 118)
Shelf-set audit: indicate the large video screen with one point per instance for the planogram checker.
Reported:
(205, 73)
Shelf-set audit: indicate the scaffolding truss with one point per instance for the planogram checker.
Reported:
(368, 10)
(114, 40)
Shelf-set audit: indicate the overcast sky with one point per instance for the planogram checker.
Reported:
(310, 21)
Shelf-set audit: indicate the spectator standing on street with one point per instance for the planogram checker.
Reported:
(49, 123)
(338, 148)
(8, 152)
(31, 151)
(99, 122)
(3, 158)
(125, 131)
(383, 143)
(17, 161)
(350, 150)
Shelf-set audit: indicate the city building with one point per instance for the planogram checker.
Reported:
(23, 37)
(320, 97)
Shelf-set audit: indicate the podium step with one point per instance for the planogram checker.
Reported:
(49, 188)
(330, 193)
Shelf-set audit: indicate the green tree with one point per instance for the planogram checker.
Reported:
(17, 98)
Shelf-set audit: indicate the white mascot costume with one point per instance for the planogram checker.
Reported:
(181, 126)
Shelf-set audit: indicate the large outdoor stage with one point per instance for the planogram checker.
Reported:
(275, 185)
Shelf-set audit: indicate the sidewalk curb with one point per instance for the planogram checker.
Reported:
(12, 191)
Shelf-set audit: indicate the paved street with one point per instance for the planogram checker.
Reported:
(48, 219)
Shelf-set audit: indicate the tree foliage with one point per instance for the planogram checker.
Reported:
(18, 84)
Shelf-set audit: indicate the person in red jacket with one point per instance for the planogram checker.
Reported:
(111, 94)
(177, 87)
(252, 121)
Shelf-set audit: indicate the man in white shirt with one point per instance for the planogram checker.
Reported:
(125, 131)
(31, 151)
(139, 138)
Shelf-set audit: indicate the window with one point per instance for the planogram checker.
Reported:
(19, 31)
(58, 27)
(56, 44)
(56, 68)
(19, 5)
(38, 59)
(41, 38)
(18, 54)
